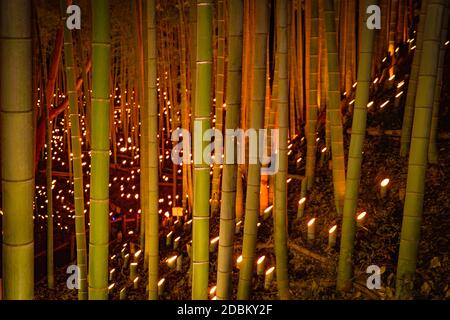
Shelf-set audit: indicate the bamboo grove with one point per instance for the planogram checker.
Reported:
(93, 118)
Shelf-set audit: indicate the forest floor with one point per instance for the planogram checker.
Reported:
(312, 268)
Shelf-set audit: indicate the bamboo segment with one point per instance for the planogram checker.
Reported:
(200, 232)
(415, 184)
(215, 184)
(256, 122)
(76, 158)
(355, 154)
(17, 149)
(432, 148)
(280, 200)
(229, 181)
(412, 85)
(333, 108)
(312, 103)
(99, 197)
(151, 103)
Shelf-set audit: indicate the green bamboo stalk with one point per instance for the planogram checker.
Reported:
(415, 184)
(200, 237)
(280, 200)
(252, 207)
(215, 184)
(151, 103)
(229, 181)
(432, 147)
(312, 106)
(412, 84)
(99, 197)
(333, 108)
(48, 171)
(144, 139)
(17, 149)
(76, 158)
(355, 154)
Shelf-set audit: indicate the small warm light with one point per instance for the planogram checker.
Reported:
(399, 94)
(302, 200)
(324, 149)
(400, 84)
(214, 240)
(447, 42)
(332, 229)
(137, 254)
(385, 182)
(392, 77)
(384, 104)
(111, 286)
(370, 104)
(268, 209)
(239, 259)
(311, 222)
(261, 260)
(270, 270)
(361, 215)
(172, 259)
(213, 290)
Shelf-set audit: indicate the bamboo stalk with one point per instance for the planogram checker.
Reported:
(200, 237)
(17, 149)
(415, 184)
(256, 122)
(229, 181)
(280, 200)
(99, 197)
(333, 108)
(355, 154)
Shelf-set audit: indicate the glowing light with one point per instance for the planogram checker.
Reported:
(261, 260)
(214, 240)
(384, 104)
(385, 182)
(311, 222)
(302, 200)
(361, 215)
(270, 270)
(332, 229)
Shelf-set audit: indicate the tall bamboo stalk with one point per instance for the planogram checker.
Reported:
(432, 148)
(256, 122)
(17, 132)
(415, 184)
(76, 158)
(333, 108)
(200, 237)
(412, 84)
(99, 197)
(280, 200)
(355, 154)
(229, 181)
(311, 144)
(151, 103)
(215, 184)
